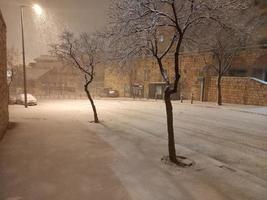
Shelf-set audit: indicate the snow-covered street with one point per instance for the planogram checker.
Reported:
(53, 152)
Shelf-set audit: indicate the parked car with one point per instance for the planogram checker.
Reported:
(31, 100)
(113, 93)
(12, 100)
(108, 92)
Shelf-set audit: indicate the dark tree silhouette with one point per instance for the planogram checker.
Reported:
(83, 53)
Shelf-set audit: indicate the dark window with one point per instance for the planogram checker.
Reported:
(238, 72)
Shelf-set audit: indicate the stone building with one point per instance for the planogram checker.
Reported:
(197, 79)
(34, 71)
(244, 83)
(3, 78)
(48, 77)
(249, 70)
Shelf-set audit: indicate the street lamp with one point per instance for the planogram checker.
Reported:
(161, 38)
(38, 10)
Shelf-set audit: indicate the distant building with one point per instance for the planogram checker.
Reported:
(48, 77)
(3, 78)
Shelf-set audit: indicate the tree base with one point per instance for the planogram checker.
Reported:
(93, 122)
(181, 161)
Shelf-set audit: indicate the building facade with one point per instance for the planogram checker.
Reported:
(249, 69)
(141, 78)
(3, 78)
(144, 79)
(50, 78)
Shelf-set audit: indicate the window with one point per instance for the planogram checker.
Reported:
(238, 72)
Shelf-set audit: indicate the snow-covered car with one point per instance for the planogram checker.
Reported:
(108, 92)
(12, 100)
(31, 100)
(113, 93)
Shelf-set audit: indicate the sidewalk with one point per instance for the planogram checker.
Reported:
(48, 155)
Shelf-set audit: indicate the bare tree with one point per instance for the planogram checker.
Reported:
(137, 25)
(83, 53)
(227, 40)
(224, 47)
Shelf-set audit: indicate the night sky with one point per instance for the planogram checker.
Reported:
(74, 15)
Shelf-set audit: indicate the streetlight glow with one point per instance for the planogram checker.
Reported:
(37, 9)
(161, 38)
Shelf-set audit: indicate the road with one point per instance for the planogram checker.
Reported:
(123, 153)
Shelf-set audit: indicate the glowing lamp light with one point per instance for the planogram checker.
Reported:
(161, 38)
(37, 9)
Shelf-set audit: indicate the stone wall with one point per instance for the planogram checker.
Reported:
(137, 72)
(145, 71)
(193, 67)
(237, 90)
(3, 79)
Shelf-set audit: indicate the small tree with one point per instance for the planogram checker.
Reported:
(225, 46)
(137, 24)
(83, 53)
(227, 41)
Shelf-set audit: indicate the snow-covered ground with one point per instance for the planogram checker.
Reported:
(228, 145)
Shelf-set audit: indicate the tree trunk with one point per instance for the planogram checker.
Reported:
(92, 103)
(219, 91)
(169, 112)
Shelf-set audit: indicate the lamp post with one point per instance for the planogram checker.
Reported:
(38, 11)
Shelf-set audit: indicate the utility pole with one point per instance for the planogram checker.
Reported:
(23, 56)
